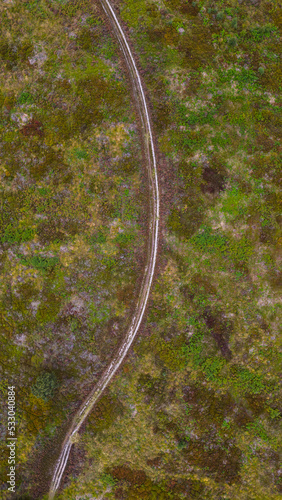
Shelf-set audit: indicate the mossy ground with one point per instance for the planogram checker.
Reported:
(200, 395)
(195, 411)
(71, 211)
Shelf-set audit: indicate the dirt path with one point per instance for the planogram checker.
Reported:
(142, 300)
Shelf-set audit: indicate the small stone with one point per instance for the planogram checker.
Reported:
(38, 58)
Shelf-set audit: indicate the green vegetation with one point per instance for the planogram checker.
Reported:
(203, 383)
(194, 412)
(71, 213)
(38, 262)
(17, 235)
(45, 386)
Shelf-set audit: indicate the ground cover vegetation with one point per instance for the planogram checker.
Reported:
(195, 412)
(197, 405)
(71, 215)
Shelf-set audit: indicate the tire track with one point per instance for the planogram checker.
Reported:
(142, 300)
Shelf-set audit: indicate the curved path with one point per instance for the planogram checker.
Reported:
(117, 360)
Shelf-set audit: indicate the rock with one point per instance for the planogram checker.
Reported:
(38, 58)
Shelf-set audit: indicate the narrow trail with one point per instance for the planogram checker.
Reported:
(142, 300)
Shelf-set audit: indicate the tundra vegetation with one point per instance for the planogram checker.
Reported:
(72, 215)
(195, 411)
